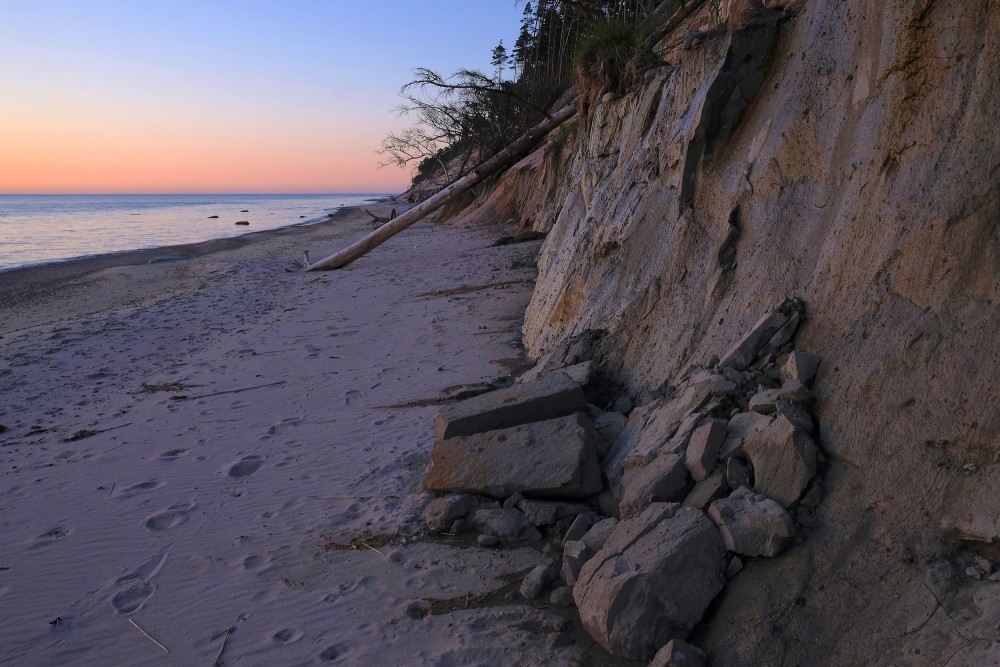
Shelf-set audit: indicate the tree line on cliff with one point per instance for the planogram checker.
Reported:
(470, 115)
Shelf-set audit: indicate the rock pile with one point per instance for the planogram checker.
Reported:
(653, 511)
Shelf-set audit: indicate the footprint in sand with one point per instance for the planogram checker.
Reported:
(169, 518)
(287, 636)
(142, 487)
(133, 597)
(137, 585)
(333, 652)
(173, 454)
(50, 537)
(246, 466)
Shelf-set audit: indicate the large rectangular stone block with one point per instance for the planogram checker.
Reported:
(551, 395)
(553, 458)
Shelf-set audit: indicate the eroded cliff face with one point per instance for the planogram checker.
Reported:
(863, 176)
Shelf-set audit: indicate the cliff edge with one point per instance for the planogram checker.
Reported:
(845, 154)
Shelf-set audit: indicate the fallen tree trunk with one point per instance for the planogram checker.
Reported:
(495, 164)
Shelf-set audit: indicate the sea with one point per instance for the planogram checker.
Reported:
(35, 229)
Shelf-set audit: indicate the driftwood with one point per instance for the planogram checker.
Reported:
(497, 163)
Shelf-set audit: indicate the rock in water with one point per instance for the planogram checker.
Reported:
(652, 581)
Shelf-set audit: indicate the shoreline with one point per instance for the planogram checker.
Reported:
(22, 288)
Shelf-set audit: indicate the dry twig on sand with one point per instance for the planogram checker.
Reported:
(146, 635)
(228, 631)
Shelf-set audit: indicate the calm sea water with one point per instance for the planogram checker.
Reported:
(47, 228)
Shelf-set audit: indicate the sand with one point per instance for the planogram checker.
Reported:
(204, 445)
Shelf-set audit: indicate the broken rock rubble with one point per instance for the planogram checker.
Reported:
(698, 472)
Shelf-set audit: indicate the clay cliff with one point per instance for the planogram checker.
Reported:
(845, 154)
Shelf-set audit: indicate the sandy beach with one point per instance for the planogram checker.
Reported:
(232, 457)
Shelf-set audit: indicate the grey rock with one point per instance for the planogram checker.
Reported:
(764, 401)
(536, 581)
(513, 500)
(575, 554)
(733, 375)
(800, 366)
(561, 597)
(545, 512)
(973, 572)
(761, 334)
(599, 533)
(735, 567)
(678, 653)
(579, 373)
(783, 335)
(551, 395)
(506, 524)
(783, 459)
(652, 581)
(983, 564)
(751, 524)
(610, 425)
(704, 447)
(706, 491)
(488, 541)
(665, 479)
(581, 524)
(794, 391)
(741, 426)
(624, 404)
(666, 420)
(441, 513)
(549, 458)
(796, 413)
(737, 473)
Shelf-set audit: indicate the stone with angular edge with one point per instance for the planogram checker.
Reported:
(752, 524)
(741, 426)
(551, 395)
(794, 391)
(536, 581)
(800, 366)
(599, 533)
(765, 401)
(546, 512)
(505, 524)
(678, 653)
(441, 513)
(774, 323)
(652, 581)
(575, 554)
(581, 524)
(706, 491)
(704, 446)
(664, 479)
(554, 458)
(784, 461)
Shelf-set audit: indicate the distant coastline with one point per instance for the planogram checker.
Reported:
(44, 229)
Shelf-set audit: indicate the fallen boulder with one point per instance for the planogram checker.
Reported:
(751, 524)
(801, 367)
(770, 332)
(664, 479)
(441, 513)
(554, 458)
(551, 395)
(704, 447)
(784, 460)
(652, 581)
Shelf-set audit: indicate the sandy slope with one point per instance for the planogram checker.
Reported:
(231, 498)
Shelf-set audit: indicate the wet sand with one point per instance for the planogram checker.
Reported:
(204, 445)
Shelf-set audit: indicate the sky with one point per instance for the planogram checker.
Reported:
(219, 96)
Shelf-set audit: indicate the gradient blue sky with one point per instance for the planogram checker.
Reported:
(252, 96)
